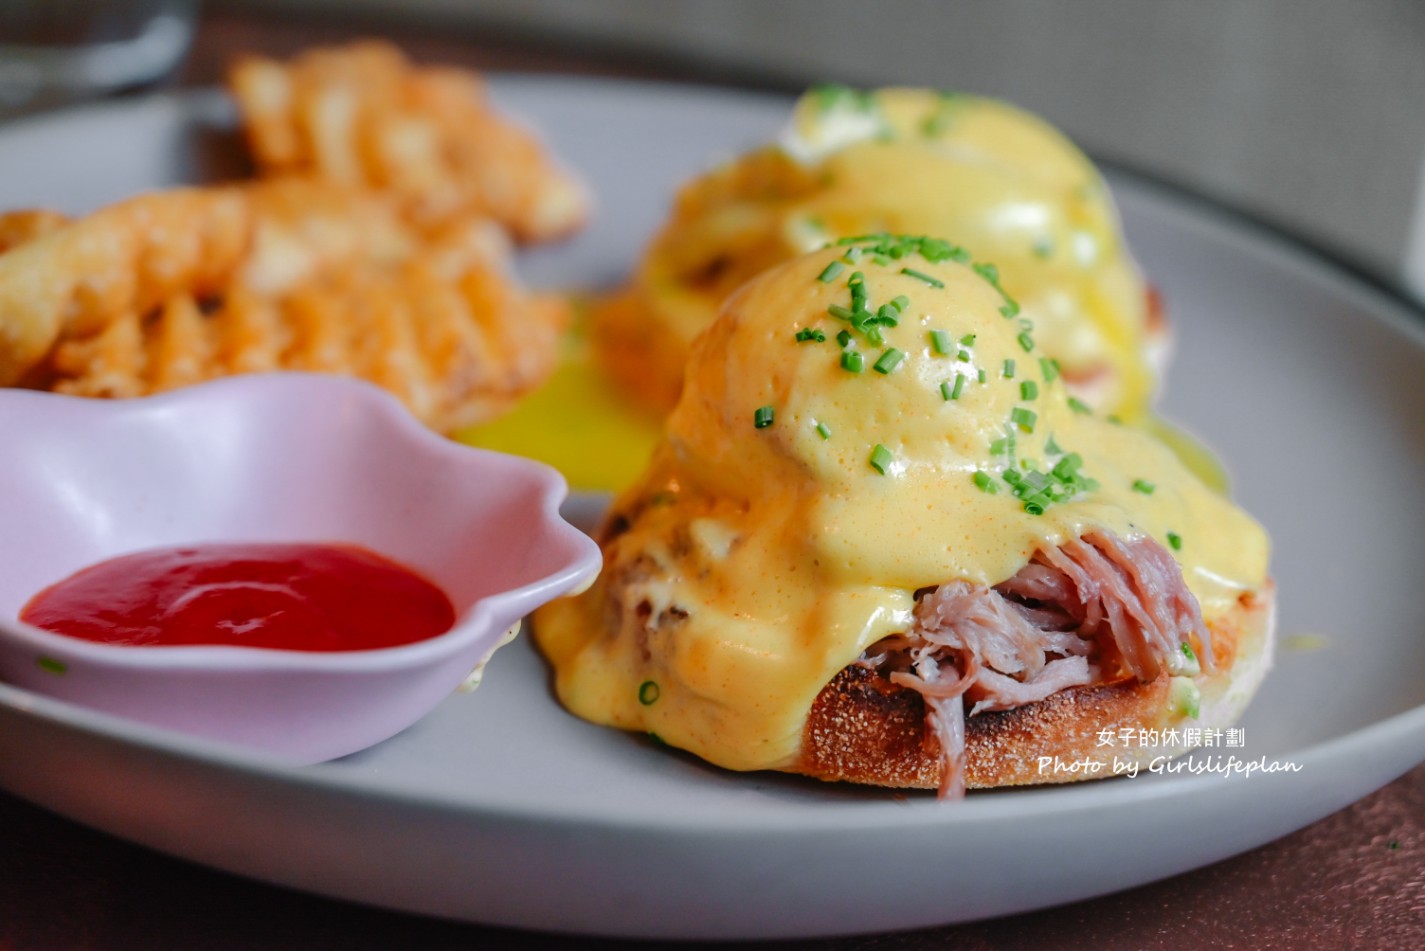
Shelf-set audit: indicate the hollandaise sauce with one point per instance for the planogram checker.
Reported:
(980, 172)
(860, 423)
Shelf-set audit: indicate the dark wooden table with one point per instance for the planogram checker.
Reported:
(1355, 879)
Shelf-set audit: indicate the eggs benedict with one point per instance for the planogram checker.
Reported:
(882, 541)
(978, 171)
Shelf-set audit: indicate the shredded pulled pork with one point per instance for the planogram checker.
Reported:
(1091, 611)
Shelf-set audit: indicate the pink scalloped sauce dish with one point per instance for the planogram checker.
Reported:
(277, 463)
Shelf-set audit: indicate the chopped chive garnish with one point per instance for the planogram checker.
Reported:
(958, 387)
(1052, 448)
(901, 302)
(1078, 405)
(1049, 368)
(888, 315)
(873, 335)
(810, 333)
(922, 276)
(881, 459)
(1115, 419)
(1023, 418)
(1028, 390)
(51, 665)
(856, 277)
(963, 356)
(1188, 651)
(853, 361)
(945, 392)
(1026, 342)
(839, 312)
(985, 483)
(1066, 468)
(762, 417)
(1144, 486)
(844, 338)
(889, 360)
(1001, 446)
(823, 430)
(829, 274)
(981, 375)
(1009, 369)
(940, 341)
(968, 340)
(1034, 508)
(1175, 540)
(648, 693)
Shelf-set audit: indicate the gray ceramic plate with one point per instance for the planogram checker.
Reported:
(501, 808)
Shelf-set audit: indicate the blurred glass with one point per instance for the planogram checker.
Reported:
(58, 51)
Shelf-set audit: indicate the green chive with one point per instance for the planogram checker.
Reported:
(648, 695)
(52, 666)
(1023, 418)
(889, 360)
(1028, 390)
(1034, 508)
(985, 483)
(1078, 405)
(988, 271)
(1010, 307)
(1188, 651)
(823, 430)
(940, 341)
(963, 356)
(1175, 540)
(853, 361)
(1026, 342)
(1052, 448)
(1144, 486)
(981, 375)
(881, 459)
(762, 417)
(968, 340)
(829, 274)
(945, 392)
(810, 333)
(958, 388)
(839, 312)
(921, 276)
(844, 338)
(901, 302)
(1049, 368)
(1009, 369)
(888, 315)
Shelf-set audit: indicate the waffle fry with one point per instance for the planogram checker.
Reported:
(174, 288)
(362, 114)
(17, 227)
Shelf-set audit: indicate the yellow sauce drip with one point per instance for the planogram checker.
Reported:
(577, 423)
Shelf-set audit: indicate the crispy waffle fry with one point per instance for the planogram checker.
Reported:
(362, 114)
(128, 258)
(17, 227)
(174, 288)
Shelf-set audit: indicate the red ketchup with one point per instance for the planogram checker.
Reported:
(299, 597)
